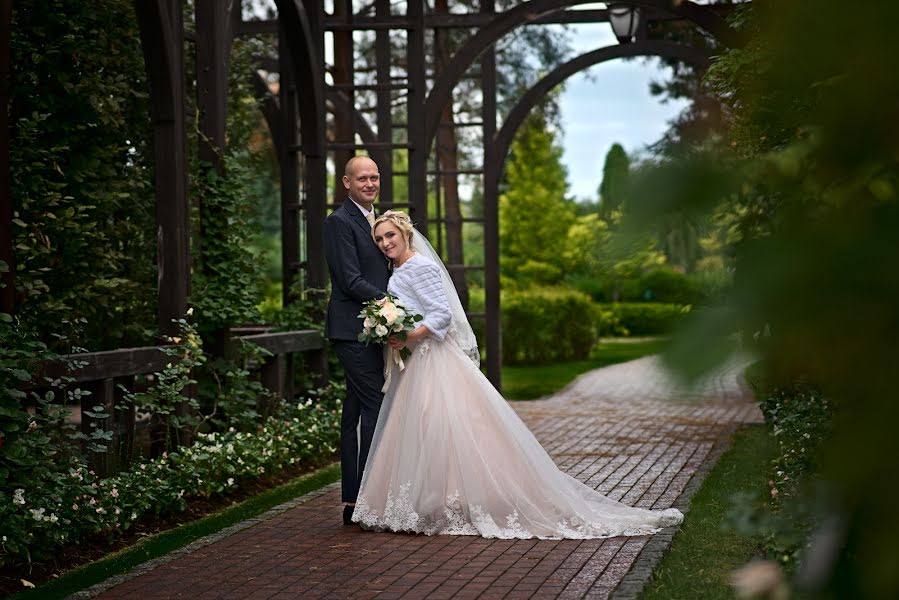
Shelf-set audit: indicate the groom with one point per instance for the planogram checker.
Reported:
(358, 273)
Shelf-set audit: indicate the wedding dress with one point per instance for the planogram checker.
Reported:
(450, 456)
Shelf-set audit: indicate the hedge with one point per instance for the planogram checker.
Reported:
(541, 324)
(638, 318)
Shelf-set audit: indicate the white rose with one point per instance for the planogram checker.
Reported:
(368, 323)
(397, 326)
(389, 312)
(381, 330)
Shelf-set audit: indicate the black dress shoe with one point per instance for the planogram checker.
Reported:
(348, 514)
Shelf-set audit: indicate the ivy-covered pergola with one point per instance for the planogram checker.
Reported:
(309, 90)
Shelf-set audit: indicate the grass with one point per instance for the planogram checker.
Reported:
(704, 553)
(167, 541)
(534, 381)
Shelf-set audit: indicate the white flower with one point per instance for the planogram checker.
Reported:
(397, 326)
(114, 493)
(133, 515)
(381, 331)
(18, 496)
(230, 481)
(37, 514)
(368, 323)
(389, 312)
(53, 518)
(190, 311)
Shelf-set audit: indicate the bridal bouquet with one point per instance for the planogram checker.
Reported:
(385, 317)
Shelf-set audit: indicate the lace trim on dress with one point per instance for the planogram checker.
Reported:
(400, 516)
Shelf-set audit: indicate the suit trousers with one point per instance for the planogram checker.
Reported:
(364, 367)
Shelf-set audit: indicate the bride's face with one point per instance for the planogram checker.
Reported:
(390, 240)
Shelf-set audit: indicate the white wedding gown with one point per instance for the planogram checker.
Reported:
(450, 456)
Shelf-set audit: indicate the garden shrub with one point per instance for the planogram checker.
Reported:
(801, 420)
(668, 286)
(638, 318)
(546, 325)
(540, 324)
(65, 501)
(711, 285)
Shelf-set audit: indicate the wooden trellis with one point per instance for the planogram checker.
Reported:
(297, 117)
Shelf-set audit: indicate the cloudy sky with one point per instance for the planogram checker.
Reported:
(608, 103)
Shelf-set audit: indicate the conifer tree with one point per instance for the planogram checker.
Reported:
(615, 173)
(535, 215)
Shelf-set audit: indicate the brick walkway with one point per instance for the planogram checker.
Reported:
(625, 430)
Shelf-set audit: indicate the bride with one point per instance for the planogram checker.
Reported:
(449, 455)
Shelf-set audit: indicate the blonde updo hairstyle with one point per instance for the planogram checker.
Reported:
(400, 220)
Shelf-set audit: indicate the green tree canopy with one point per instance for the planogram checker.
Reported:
(534, 214)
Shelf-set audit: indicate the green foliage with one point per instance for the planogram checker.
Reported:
(638, 318)
(711, 284)
(613, 188)
(232, 397)
(85, 242)
(38, 516)
(808, 171)
(801, 421)
(668, 285)
(546, 325)
(226, 285)
(167, 399)
(534, 215)
(37, 455)
(79, 118)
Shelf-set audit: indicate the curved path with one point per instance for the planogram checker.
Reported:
(626, 430)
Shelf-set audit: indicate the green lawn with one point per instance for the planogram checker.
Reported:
(705, 552)
(534, 381)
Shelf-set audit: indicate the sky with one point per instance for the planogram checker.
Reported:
(608, 103)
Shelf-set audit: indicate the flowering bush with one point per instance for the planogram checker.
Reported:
(801, 420)
(73, 503)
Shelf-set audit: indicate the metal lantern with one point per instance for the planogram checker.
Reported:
(625, 21)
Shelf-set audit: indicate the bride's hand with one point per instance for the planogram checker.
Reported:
(412, 338)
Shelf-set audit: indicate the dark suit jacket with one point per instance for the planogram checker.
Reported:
(358, 270)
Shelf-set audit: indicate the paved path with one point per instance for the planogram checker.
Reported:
(625, 430)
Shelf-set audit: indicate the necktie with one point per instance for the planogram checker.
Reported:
(371, 218)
